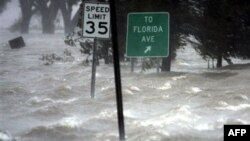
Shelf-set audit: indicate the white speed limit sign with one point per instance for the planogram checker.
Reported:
(96, 21)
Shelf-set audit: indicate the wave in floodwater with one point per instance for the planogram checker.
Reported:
(45, 95)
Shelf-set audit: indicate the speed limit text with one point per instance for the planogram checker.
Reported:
(97, 12)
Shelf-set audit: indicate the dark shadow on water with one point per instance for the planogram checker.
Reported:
(237, 67)
(219, 75)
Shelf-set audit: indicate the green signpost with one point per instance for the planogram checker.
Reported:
(148, 34)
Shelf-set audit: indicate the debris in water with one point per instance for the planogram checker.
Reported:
(17, 43)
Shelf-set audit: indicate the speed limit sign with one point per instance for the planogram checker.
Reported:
(96, 21)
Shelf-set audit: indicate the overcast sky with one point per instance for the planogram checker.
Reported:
(10, 14)
(13, 12)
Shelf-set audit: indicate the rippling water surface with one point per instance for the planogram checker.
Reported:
(41, 102)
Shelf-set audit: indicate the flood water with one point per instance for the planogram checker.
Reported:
(41, 101)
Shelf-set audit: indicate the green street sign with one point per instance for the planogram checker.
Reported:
(148, 34)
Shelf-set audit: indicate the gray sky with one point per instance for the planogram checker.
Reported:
(10, 14)
(13, 12)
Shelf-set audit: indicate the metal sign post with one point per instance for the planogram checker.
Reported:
(132, 64)
(96, 24)
(119, 101)
(158, 66)
(93, 70)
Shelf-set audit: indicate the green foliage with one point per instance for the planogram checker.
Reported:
(222, 28)
(176, 8)
(149, 63)
(179, 14)
(103, 48)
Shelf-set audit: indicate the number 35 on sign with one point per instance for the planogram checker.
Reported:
(96, 21)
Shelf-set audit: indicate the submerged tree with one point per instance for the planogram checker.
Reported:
(178, 11)
(222, 29)
(48, 10)
(76, 38)
(27, 9)
(240, 34)
(66, 6)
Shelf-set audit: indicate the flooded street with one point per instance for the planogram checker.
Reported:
(41, 102)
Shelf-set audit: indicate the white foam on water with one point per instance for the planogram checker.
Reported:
(166, 86)
(134, 88)
(204, 127)
(69, 101)
(5, 137)
(193, 90)
(234, 107)
(37, 100)
(40, 100)
(69, 122)
(181, 115)
(106, 114)
(179, 77)
(156, 106)
(241, 97)
(184, 64)
(127, 91)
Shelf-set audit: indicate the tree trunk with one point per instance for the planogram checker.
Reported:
(67, 21)
(48, 26)
(166, 62)
(27, 12)
(213, 63)
(67, 26)
(106, 51)
(219, 61)
(25, 23)
(75, 20)
(229, 61)
(66, 13)
(48, 15)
